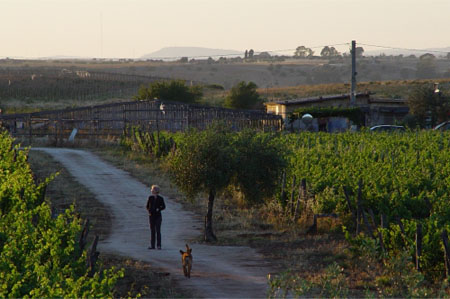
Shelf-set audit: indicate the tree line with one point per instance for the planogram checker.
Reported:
(243, 95)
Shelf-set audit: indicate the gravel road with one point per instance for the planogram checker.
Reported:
(217, 272)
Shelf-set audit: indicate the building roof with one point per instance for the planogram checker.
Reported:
(316, 99)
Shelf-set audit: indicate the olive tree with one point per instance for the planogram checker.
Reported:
(203, 163)
(210, 161)
(258, 161)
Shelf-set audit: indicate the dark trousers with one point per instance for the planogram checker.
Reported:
(155, 228)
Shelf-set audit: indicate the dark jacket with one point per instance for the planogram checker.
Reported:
(155, 204)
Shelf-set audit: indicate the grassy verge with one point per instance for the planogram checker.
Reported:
(140, 278)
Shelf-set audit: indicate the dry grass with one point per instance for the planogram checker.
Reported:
(64, 191)
(141, 279)
(29, 105)
(387, 89)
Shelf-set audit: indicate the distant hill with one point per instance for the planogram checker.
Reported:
(172, 53)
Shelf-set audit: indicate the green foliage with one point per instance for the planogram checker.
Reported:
(404, 176)
(202, 161)
(353, 114)
(259, 161)
(243, 96)
(40, 255)
(250, 161)
(175, 90)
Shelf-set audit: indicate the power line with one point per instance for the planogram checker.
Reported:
(404, 49)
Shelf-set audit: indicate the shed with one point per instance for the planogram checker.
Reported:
(376, 110)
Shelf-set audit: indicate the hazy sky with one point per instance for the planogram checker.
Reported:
(132, 28)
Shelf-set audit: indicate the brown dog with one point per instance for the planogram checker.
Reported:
(186, 260)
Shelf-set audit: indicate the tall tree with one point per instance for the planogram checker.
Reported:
(243, 96)
(302, 52)
(426, 66)
(427, 103)
(251, 53)
(329, 52)
(359, 51)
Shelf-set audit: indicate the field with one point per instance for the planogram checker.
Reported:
(400, 89)
(36, 85)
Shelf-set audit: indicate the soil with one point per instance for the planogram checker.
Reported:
(218, 271)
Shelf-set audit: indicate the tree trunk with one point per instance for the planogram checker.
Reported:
(209, 234)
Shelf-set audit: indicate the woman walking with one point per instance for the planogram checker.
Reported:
(155, 204)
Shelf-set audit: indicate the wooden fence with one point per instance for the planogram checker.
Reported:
(113, 119)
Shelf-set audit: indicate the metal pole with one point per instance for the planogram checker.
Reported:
(353, 90)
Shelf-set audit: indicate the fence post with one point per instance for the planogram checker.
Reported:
(30, 129)
(124, 119)
(383, 225)
(301, 193)
(291, 203)
(447, 252)
(92, 257)
(283, 185)
(418, 245)
(349, 204)
(359, 208)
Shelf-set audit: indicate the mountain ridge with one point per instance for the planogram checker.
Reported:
(191, 52)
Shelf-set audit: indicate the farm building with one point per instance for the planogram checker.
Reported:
(333, 111)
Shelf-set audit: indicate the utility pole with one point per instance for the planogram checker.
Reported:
(353, 90)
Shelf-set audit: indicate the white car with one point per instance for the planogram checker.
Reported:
(443, 126)
(387, 128)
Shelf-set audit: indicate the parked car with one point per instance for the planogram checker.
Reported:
(387, 128)
(443, 126)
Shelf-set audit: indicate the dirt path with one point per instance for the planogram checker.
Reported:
(218, 271)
